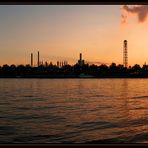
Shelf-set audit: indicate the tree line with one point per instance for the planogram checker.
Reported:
(76, 70)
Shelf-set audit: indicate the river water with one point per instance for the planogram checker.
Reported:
(73, 110)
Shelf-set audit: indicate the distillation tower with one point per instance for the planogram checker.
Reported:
(125, 54)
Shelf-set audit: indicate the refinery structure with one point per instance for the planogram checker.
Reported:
(80, 62)
(39, 62)
(125, 54)
(37, 68)
(59, 63)
(81, 69)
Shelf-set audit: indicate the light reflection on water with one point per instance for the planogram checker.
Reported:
(73, 110)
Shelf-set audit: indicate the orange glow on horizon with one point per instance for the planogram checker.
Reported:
(95, 31)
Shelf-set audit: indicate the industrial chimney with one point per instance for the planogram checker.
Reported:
(80, 61)
(38, 59)
(31, 59)
(80, 56)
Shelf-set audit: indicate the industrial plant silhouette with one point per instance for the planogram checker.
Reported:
(79, 70)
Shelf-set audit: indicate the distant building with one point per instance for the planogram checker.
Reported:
(51, 64)
(80, 61)
(46, 64)
(58, 65)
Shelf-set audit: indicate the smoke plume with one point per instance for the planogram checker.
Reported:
(141, 11)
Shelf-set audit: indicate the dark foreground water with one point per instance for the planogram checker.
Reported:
(73, 110)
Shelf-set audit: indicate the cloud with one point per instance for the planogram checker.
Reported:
(141, 11)
(123, 18)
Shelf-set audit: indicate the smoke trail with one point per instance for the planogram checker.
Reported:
(141, 11)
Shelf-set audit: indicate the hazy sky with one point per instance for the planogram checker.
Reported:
(61, 32)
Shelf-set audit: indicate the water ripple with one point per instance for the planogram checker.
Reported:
(139, 138)
(73, 110)
(140, 97)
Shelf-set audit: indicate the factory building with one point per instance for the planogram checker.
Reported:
(80, 61)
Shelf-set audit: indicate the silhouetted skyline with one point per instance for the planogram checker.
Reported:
(60, 32)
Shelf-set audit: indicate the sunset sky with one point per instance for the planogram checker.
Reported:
(61, 32)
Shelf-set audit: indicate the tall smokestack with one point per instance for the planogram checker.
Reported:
(80, 56)
(31, 59)
(58, 64)
(38, 59)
